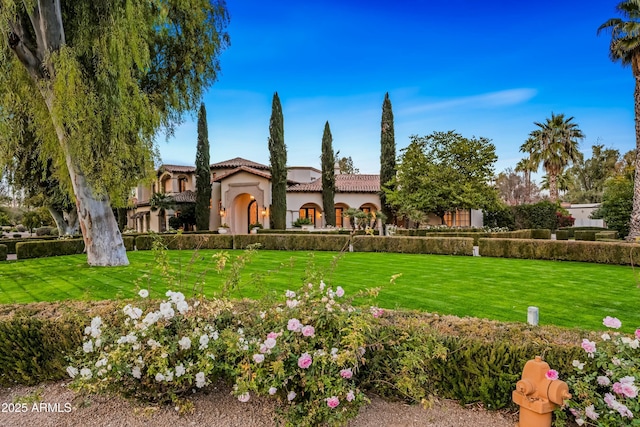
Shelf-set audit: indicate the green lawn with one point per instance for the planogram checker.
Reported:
(567, 293)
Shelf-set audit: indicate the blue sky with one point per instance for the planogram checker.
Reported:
(481, 68)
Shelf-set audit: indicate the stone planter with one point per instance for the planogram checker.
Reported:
(305, 227)
(223, 230)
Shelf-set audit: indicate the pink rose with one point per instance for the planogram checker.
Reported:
(638, 333)
(308, 331)
(294, 325)
(589, 346)
(350, 396)
(244, 397)
(339, 292)
(273, 335)
(333, 401)
(551, 374)
(611, 322)
(270, 343)
(258, 358)
(305, 361)
(346, 373)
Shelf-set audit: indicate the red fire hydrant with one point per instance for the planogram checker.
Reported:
(538, 396)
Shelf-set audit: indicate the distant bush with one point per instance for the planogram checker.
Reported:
(606, 235)
(589, 235)
(502, 216)
(294, 241)
(44, 231)
(144, 242)
(415, 245)
(3, 252)
(537, 215)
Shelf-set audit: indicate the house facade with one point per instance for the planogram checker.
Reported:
(241, 197)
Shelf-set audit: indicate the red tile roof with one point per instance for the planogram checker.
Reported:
(184, 197)
(345, 183)
(239, 162)
(176, 168)
(253, 171)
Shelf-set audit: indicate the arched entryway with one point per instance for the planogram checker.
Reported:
(245, 213)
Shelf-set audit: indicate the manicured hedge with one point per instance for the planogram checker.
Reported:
(293, 242)
(129, 243)
(589, 235)
(562, 234)
(11, 243)
(33, 350)
(572, 230)
(414, 355)
(561, 250)
(186, 241)
(3, 252)
(41, 249)
(475, 360)
(478, 234)
(607, 235)
(414, 245)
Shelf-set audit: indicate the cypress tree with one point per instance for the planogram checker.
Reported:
(203, 173)
(328, 177)
(278, 159)
(387, 155)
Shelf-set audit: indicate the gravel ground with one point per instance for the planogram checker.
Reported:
(55, 407)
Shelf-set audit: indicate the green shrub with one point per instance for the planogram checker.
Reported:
(293, 242)
(11, 243)
(537, 215)
(129, 243)
(41, 249)
(3, 252)
(607, 235)
(44, 231)
(33, 350)
(414, 245)
(186, 241)
(562, 250)
(562, 234)
(589, 235)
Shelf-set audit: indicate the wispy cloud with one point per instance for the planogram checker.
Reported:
(503, 98)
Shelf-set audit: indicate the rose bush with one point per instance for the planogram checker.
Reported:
(306, 352)
(605, 383)
(153, 352)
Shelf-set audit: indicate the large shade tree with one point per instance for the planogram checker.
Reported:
(328, 177)
(278, 160)
(443, 172)
(625, 47)
(98, 79)
(554, 145)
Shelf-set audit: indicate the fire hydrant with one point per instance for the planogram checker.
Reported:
(538, 396)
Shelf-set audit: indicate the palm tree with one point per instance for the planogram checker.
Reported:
(161, 202)
(625, 47)
(554, 145)
(527, 166)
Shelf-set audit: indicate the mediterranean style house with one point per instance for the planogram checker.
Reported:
(241, 197)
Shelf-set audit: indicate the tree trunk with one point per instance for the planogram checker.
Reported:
(67, 222)
(553, 186)
(634, 223)
(102, 239)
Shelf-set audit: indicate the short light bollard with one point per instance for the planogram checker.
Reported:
(538, 396)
